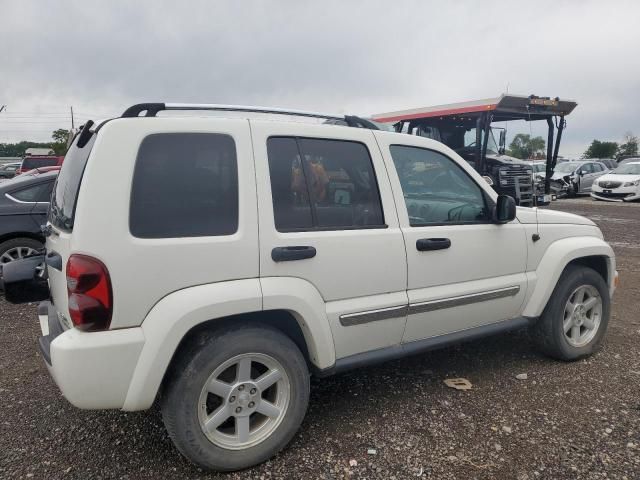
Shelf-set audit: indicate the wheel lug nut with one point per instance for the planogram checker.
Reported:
(252, 391)
(238, 410)
(232, 399)
(251, 404)
(241, 387)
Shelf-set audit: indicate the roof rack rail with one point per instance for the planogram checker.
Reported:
(152, 109)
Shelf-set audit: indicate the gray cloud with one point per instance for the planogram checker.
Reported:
(357, 57)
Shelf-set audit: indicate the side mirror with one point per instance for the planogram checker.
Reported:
(582, 172)
(505, 210)
(502, 142)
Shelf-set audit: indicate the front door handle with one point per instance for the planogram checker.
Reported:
(296, 252)
(424, 244)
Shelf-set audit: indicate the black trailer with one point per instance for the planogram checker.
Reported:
(467, 128)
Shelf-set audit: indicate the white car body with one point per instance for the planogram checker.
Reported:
(614, 187)
(368, 294)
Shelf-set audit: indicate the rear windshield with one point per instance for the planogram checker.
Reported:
(31, 163)
(65, 192)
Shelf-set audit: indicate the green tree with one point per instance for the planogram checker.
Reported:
(60, 138)
(599, 149)
(524, 146)
(17, 149)
(630, 146)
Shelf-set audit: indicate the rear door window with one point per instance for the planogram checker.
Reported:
(185, 185)
(322, 184)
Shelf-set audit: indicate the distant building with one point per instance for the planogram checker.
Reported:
(38, 151)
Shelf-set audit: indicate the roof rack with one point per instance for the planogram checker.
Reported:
(152, 109)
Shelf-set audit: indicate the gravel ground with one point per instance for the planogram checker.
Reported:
(565, 421)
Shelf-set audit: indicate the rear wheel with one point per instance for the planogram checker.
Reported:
(575, 320)
(237, 399)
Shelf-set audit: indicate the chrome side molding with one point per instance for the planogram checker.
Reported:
(432, 305)
(351, 319)
(359, 318)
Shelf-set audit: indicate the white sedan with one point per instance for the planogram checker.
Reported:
(622, 184)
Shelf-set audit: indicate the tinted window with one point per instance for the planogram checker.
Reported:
(185, 185)
(436, 189)
(34, 193)
(31, 163)
(324, 184)
(45, 194)
(291, 206)
(65, 191)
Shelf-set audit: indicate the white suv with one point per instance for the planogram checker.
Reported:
(215, 263)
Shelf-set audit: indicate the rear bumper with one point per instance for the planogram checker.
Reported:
(92, 369)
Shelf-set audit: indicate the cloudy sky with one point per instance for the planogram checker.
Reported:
(356, 57)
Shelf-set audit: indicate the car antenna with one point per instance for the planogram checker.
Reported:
(536, 236)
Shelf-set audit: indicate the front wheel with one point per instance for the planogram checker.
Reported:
(575, 320)
(237, 399)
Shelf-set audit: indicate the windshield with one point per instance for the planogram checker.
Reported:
(65, 192)
(628, 169)
(470, 141)
(567, 167)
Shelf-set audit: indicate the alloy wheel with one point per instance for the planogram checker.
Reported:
(243, 401)
(582, 316)
(18, 253)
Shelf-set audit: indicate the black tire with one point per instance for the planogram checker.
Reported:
(189, 373)
(548, 331)
(19, 242)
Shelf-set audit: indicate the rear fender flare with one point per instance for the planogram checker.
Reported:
(172, 318)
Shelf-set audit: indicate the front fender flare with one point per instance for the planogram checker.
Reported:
(557, 256)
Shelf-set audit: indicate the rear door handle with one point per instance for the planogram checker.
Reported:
(296, 252)
(432, 244)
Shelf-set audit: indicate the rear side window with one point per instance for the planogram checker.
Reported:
(185, 185)
(65, 191)
(34, 193)
(320, 184)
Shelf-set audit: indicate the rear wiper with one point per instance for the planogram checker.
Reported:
(85, 134)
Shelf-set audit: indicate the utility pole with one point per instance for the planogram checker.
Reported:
(72, 123)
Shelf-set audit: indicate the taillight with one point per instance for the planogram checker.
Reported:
(89, 289)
